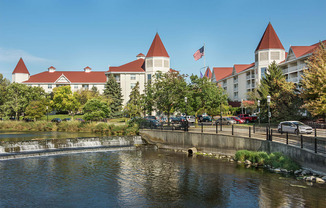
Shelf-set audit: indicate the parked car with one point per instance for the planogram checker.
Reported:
(191, 119)
(206, 119)
(66, 119)
(226, 121)
(80, 120)
(150, 117)
(296, 127)
(238, 120)
(28, 120)
(175, 120)
(56, 120)
(151, 123)
(248, 118)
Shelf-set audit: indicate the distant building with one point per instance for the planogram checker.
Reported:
(140, 70)
(243, 78)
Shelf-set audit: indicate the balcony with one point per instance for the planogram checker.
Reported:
(252, 85)
(293, 68)
(235, 81)
(285, 70)
(248, 76)
(235, 89)
(252, 76)
(294, 79)
(302, 67)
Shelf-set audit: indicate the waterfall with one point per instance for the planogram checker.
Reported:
(73, 143)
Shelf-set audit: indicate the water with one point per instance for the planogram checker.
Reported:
(147, 178)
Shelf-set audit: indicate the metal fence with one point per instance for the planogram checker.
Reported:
(315, 142)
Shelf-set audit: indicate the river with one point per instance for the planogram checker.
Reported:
(147, 178)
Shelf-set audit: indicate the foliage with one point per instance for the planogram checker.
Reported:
(285, 102)
(96, 109)
(314, 83)
(147, 99)
(3, 85)
(113, 92)
(64, 100)
(133, 107)
(169, 91)
(206, 96)
(275, 160)
(36, 109)
(83, 95)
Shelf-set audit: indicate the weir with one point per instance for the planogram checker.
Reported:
(229, 144)
(43, 147)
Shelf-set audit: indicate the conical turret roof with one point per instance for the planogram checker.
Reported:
(157, 48)
(269, 39)
(21, 67)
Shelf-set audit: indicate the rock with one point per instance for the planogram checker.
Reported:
(284, 170)
(319, 180)
(304, 178)
(239, 162)
(305, 172)
(210, 154)
(247, 166)
(255, 164)
(310, 178)
(309, 183)
(297, 172)
(231, 160)
(277, 170)
(324, 178)
(247, 162)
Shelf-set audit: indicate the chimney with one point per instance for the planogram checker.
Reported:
(87, 69)
(51, 69)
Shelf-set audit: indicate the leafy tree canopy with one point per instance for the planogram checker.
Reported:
(96, 109)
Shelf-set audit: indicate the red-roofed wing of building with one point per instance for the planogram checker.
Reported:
(21, 68)
(208, 73)
(241, 67)
(157, 48)
(304, 50)
(134, 66)
(222, 72)
(269, 40)
(71, 76)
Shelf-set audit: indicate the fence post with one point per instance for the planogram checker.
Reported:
(281, 128)
(287, 138)
(172, 126)
(216, 126)
(315, 144)
(232, 129)
(266, 133)
(249, 132)
(271, 135)
(254, 128)
(315, 130)
(301, 141)
(297, 129)
(202, 127)
(221, 125)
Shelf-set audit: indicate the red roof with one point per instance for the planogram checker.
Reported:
(21, 67)
(72, 76)
(222, 72)
(157, 48)
(269, 39)
(208, 73)
(304, 50)
(172, 70)
(241, 67)
(134, 66)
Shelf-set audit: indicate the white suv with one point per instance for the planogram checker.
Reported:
(294, 127)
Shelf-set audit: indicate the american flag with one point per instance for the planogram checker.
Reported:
(199, 53)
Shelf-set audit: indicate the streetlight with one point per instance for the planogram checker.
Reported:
(269, 111)
(186, 128)
(47, 114)
(258, 103)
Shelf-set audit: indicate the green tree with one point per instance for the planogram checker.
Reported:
(133, 107)
(96, 109)
(16, 99)
(147, 99)
(113, 92)
(3, 85)
(285, 103)
(206, 96)
(64, 100)
(169, 91)
(83, 96)
(36, 109)
(314, 83)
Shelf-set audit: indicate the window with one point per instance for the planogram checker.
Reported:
(149, 77)
(235, 79)
(263, 56)
(76, 86)
(39, 85)
(166, 63)
(149, 63)
(132, 85)
(262, 72)
(50, 86)
(117, 77)
(133, 77)
(275, 55)
(158, 63)
(85, 86)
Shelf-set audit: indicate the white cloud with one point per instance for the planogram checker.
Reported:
(13, 55)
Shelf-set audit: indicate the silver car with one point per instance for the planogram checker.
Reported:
(226, 121)
(296, 127)
(191, 119)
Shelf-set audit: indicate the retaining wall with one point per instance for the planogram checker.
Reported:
(227, 144)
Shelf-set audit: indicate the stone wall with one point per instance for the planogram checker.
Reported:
(227, 144)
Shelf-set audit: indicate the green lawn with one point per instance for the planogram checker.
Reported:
(62, 116)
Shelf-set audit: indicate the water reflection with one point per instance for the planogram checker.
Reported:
(146, 178)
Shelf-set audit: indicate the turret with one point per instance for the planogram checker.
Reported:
(20, 73)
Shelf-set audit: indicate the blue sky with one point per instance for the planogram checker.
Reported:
(71, 35)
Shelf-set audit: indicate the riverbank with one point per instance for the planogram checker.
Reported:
(72, 126)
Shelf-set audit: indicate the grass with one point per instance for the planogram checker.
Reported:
(275, 160)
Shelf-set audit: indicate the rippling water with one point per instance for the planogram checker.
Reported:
(147, 178)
